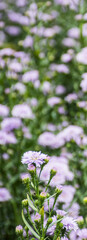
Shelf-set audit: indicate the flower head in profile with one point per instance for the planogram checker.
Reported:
(33, 157)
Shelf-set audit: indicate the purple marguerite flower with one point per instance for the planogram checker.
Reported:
(34, 157)
(69, 223)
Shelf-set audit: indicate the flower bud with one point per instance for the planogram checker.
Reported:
(47, 159)
(25, 178)
(85, 200)
(52, 173)
(37, 217)
(31, 169)
(19, 229)
(49, 221)
(26, 228)
(58, 190)
(43, 195)
(80, 221)
(25, 203)
(42, 211)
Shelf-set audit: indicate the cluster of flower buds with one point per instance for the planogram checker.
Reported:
(41, 216)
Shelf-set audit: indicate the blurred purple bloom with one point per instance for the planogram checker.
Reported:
(4, 195)
(47, 139)
(4, 110)
(81, 57)
(28, 42)
(74, 32)
(6, 52)
(8, 124)
(20, 87)
(71, 97)
(5, 156)
(62, 110)
(67, 194)
(13, 30)
(60, 89)
(69, 223)
(83, 84)
(7, 138)
(60, 212)
(15, 66)
(61, 68)
(18, 18)
(22, 111)
(66, 57)
(53, 101)
(69, 42)
(31, 76)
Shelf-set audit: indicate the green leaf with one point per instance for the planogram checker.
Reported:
(31, 204)
(50, 197)
(29, 227)
(55, 222)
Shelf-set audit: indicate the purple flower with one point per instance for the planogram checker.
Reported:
(61, 110)
(60, 89)
(31, 76)
(6, 52)
(47, 139)
(19, 229)
(28, 42)
(20, 87)
(37, 217)
(4, 195)
(60, 212)
(82, 233)
(18, 18)
(24, 176)
(84, 30)
(67, 194)
(66, 57)
(4, 110)
(61, 68)
(82, 56)
(83, 84)
(6, 138)
(22, 111)
(15, 66)
(32, 157)
(9, 124)
(71, 97)
(5, 156)
(46, 87)
(74, 32)
(53, 101)
(69, 223)
(13, 30)
(74, 210)
(69, 42)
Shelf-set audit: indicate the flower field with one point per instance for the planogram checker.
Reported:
(43, 120)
